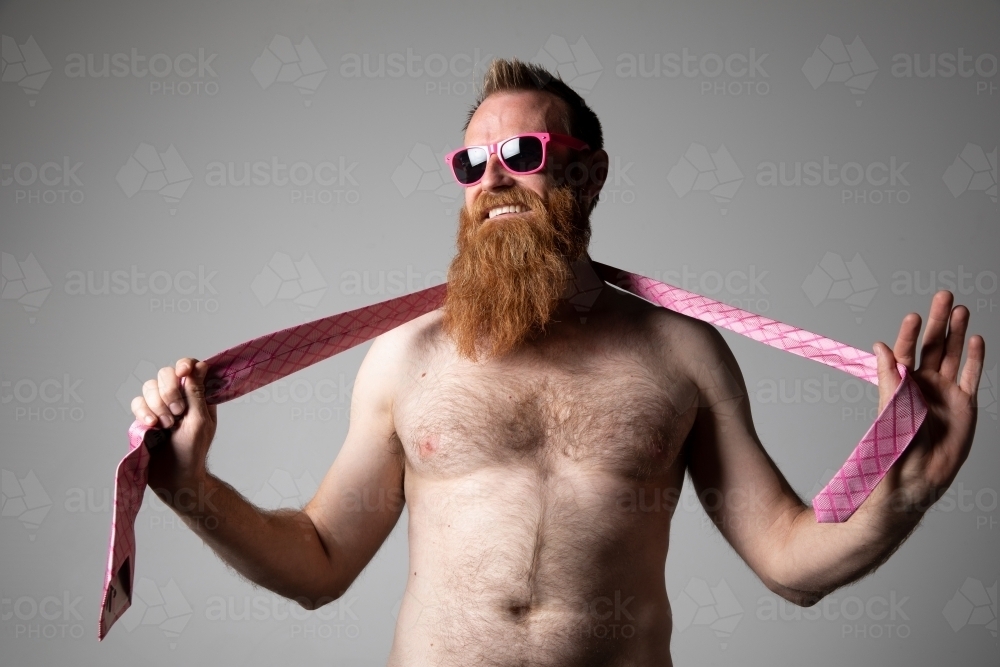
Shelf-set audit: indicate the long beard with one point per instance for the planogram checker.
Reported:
(509, 274)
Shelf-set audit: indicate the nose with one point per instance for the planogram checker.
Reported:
(496, 177)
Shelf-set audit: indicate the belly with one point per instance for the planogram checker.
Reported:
(516, 566)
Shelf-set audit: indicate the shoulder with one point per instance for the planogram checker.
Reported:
(406, 344)
(699, 349)
(680, 334)
(415, 333)
(397, 356)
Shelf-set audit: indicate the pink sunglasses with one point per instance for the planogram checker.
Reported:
(521, 154)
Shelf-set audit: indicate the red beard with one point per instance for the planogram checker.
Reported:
(509, 274)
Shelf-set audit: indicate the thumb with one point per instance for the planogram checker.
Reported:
(194, 390)
(888, 375)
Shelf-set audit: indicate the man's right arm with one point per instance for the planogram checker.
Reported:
(313, 554)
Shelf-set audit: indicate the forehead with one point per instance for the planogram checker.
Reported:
(502, 115)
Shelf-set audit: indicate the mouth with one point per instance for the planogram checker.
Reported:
(501, 211)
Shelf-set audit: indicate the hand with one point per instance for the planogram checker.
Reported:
(929, 465)
(175, 402)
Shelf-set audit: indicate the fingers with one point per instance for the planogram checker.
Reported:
(155, 403)
(142, 411)
(973, 366)
(954, 343)
(888, 376)
(170, 390)
(163, 399)
(934, 335)
(906, 342)
(194, 386)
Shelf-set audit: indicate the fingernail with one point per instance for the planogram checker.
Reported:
(149, 419)
(176, 407)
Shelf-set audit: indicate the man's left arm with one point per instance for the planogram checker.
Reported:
(760, 515)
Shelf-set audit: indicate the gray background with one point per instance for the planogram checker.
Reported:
(844, 260)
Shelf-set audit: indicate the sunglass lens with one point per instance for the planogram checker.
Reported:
(523, 154)
(470, 165)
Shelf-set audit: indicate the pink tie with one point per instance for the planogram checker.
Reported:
(256, 363)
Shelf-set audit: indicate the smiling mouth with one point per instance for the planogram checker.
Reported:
(506, 210)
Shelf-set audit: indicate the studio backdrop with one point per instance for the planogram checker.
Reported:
(179, 177)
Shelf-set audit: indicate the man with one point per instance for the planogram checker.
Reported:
(531, 422)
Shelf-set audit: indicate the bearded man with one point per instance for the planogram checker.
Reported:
(522, 421)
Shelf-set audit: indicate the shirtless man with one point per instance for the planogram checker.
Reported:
(540, 435)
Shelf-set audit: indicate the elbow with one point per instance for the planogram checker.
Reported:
(797, 596)
(803, 598)
(797, 590)
(322, 588)
(312, 603)
(321, 595)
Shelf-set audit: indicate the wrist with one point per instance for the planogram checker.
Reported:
(896, 511)
(190, 494)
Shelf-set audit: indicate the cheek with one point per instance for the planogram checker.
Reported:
(470, 196)
(538, 184)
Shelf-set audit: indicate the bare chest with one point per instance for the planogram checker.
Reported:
(616, 417)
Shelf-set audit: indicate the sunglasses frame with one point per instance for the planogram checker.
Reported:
(544, 137)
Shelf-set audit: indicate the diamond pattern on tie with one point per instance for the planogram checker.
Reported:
(256, 363)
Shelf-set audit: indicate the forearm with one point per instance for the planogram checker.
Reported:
(815, 559)
(279, 550)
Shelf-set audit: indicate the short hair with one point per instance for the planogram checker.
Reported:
(512, 75)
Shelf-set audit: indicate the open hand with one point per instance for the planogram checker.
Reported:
(928, 466)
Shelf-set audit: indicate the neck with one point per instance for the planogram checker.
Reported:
(581, 292)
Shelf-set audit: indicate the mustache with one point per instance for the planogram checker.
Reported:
(515, 196)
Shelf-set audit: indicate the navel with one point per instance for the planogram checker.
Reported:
(518, 610)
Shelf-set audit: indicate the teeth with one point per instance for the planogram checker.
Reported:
(517, 208)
